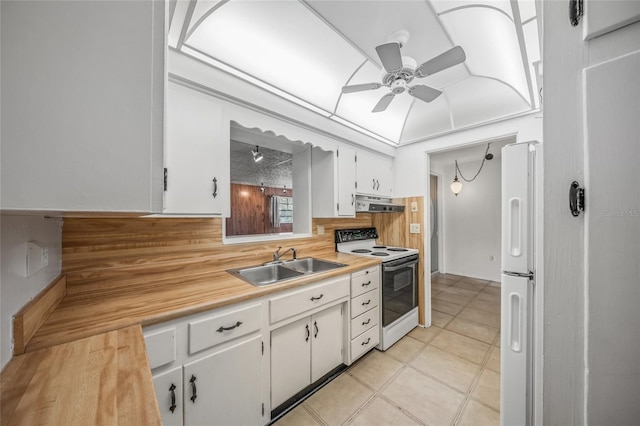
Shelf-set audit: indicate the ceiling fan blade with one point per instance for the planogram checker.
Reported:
(360, 87)
(424, 93)
(451, 57)
(383, 103)
(390, 56)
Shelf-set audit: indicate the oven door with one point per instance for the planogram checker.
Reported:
(399, 288)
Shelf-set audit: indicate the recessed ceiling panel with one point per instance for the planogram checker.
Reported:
(426, 119)
(370, 23)
(503, 101)
(491, 43)
(442, 7)
(282, 43)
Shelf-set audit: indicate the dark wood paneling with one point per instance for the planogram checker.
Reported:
(250, 210)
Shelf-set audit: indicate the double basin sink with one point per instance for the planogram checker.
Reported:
(272, 273)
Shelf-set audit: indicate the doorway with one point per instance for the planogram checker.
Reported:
(433, 200)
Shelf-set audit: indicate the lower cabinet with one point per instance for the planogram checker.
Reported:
(168, 386)
(225, 387)
(304, 351)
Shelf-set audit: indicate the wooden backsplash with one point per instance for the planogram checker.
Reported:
(101, 253)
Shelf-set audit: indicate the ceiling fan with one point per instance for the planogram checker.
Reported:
(401, 70)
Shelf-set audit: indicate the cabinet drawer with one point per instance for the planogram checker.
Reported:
(308, 298)
(363, 281)
(161, 347)
(365, 321)
(367, 340)
(217, 329)
(364, 302)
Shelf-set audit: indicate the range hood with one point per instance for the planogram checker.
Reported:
(377, 205)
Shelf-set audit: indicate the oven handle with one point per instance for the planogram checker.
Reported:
(404, 265)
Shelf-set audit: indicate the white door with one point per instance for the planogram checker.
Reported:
(225, 387)
(327, 340)
(290, 360)
(612, 239)
(347, 181)
(168, 386)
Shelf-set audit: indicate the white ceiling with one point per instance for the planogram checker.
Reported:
(306, 51)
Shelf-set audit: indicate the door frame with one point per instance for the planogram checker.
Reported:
(439, 215)
(538, 263)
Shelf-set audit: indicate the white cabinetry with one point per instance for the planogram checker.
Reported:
(333, 182)
(309, 338)
(374, 175)
(210, 367)
(365, 312)
(82, 105)
(196, 154)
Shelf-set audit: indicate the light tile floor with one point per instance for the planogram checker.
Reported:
(447, 374)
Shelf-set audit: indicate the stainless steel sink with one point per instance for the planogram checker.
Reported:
(265, 274)
(274, 273)
(312, 265)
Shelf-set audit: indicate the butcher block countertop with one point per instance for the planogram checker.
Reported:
(87, 363)
(100, 380)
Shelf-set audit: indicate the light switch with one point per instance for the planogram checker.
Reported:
(320, 230)
(414, 228)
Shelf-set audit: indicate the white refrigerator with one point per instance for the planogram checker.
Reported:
(518, 284)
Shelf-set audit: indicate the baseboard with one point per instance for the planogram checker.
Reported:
(32, 315)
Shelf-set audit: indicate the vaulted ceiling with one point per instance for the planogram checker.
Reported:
(306, 51)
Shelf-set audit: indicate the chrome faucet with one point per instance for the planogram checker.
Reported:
(277, 255)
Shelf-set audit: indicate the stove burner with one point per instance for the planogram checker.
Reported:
(379, 253)
(360, 251)
(397, 249)
(379, 247)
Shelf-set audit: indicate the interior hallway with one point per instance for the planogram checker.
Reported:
(448, 374)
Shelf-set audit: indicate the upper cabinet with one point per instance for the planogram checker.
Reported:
(374, 175)
(83, 105)
(333, 182)
(196, 154)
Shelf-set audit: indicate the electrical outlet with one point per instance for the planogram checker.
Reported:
(45, 256)
(491, 259)
(414, 228)
(414, 206)
(37, 257)
(320, 230)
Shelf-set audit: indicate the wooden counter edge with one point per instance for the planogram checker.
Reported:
(32, 315)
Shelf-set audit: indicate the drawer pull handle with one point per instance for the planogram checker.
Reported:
(366, 342)
(172, 389)
(366, 303)
(366, 322)
(366, 284)
(221, 329)
(194, 391)
(315, 334)
(308, 333)
(313, 298)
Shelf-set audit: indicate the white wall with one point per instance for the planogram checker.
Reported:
(16, 289)
(410, 164)
(471, 222)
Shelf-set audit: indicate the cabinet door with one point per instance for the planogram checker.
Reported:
(168, 386)
(290, 358)
(225, 387)
(346, 181)
(196, 154)
(374, 174)
(327, 341)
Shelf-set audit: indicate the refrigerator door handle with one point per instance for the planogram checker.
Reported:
(515, 322)
(514, 227)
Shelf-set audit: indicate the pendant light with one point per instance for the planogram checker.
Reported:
(456, 185)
